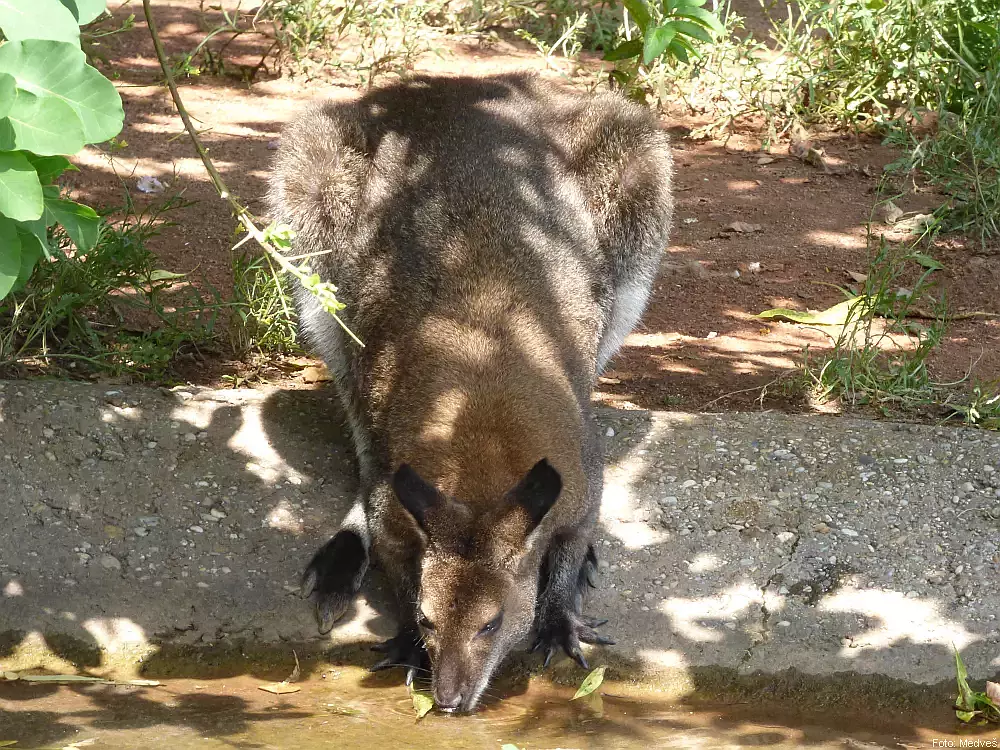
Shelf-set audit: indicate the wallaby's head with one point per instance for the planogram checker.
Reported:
(477, 586)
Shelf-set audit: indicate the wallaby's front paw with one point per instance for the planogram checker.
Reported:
(568, 630)
(334, 575)
(403, 650)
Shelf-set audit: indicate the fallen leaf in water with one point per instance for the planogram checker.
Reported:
(742, 227)
(279, 688)
(285, 686)
(8, 743)
(590, 683)
(422, 702)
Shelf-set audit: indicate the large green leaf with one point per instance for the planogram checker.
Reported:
(59, 71)
(49, 168)
(20, 190)
(84, 11)
(8, 88)
(38, 19)
(80, 222)
(656, 44)
(31, 253)
(10, 255)
(42, 124)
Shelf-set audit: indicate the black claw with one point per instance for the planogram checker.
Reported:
(578, 657)
(308, 584)
(410, 674)
(549, 652)
(383, 664)
(593, 622)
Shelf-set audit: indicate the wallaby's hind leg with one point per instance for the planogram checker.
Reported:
(335, 573)
(561, 623)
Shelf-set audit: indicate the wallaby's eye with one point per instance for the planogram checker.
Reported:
(423, 622)
(492, 625)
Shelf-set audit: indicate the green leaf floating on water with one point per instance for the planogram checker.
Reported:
(423, 702)
(591, 683)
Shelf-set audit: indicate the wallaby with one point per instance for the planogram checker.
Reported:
(495, 241)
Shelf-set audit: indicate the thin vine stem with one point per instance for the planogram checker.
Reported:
(323, 290)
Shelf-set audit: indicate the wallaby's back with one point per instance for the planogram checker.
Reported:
(465, 204)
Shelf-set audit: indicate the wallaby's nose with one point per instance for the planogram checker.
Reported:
(448, 699)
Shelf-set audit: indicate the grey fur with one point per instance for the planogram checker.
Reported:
(494, 240)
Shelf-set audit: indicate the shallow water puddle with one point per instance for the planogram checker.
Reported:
(347, 708)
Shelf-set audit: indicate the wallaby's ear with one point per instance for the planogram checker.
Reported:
(416, 495)
(538, 491)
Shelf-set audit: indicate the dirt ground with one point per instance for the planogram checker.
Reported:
(700, 344)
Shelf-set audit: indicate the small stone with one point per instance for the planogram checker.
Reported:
(603, 565)
(968, 487)
(821, 528)
(49, 432)
(649, 596)
(610, 432)
(149, 520)
(202, 585)
(110, 562)
(140, 531)
(848, 532)
(669, 500)
(688, 484)
(189, 437)
(217, 513)
(197, 529)
(784, 624)
(151, 444)
(785, 537)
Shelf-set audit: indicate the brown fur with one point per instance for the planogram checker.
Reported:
(494, 240)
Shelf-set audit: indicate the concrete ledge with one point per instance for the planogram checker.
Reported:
(737, 551)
